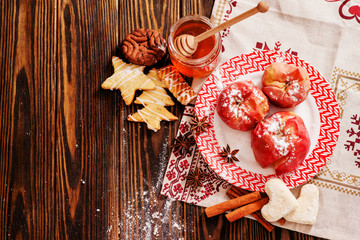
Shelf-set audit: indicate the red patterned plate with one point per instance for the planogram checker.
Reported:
(319, 111)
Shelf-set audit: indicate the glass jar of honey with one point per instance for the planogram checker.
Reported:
(207, 55)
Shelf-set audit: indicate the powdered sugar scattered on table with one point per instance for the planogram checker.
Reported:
(153, 221)
(147, 215)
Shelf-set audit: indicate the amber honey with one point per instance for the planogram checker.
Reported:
(207, 55)
(196, 28)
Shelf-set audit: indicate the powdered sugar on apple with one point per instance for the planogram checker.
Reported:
(307, 110)
(235, 96)
(281, 145)
(281, 141)
(294, 90)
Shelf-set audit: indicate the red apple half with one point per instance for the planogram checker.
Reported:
(282, 139)
(286, 85)
(241, 105)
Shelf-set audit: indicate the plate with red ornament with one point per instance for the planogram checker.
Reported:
(320, 113)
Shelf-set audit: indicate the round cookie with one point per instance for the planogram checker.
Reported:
(241, 105)
(144, 47)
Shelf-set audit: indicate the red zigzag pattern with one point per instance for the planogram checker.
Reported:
(325, 101)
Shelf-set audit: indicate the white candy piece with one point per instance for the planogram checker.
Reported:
(281, 200)
(308, 208)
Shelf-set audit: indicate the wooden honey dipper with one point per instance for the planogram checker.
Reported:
(186, 44)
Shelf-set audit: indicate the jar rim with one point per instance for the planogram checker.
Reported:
(191, 61)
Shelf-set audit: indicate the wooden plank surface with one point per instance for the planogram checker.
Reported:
(87, 131)
(27, 116)
(71, 166)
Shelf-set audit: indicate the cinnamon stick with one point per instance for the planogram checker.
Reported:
(234, 192)
(232, 195)
(247, 209)
(263, 221)
(240, 191)
(232, 204)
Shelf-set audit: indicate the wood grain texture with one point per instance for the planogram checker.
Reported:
(27, 120)
(71, 166)
(87, 121)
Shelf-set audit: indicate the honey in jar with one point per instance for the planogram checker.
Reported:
(207, 55)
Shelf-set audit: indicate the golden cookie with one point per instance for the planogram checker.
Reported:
(176, 84)
(153, 75)
(157, 95)
(152, 114)
(127, 78)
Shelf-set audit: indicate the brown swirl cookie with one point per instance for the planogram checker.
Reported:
(144, 47)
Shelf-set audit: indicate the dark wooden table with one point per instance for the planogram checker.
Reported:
(71, 166)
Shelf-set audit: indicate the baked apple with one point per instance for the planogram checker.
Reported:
(286, 85)
(241, 105)
(282, 139)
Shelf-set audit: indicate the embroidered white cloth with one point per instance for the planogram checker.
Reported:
(326, 34)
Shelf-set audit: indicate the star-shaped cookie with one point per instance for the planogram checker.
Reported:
(127, 78)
